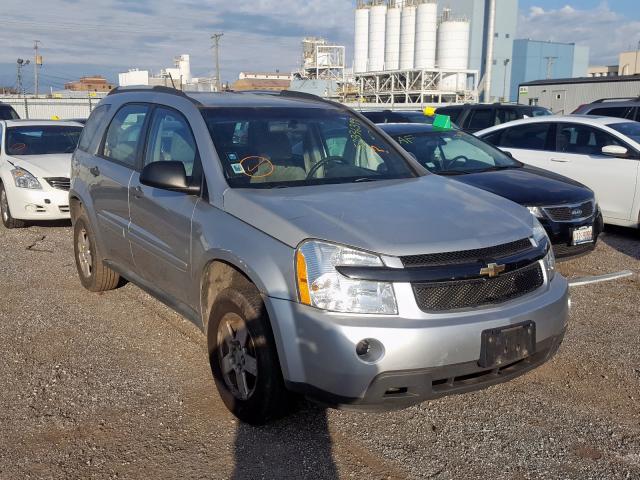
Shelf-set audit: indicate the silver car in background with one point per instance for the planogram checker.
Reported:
(318, 257)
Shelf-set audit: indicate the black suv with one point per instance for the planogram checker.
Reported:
(612, 107)
(473, 118)
(7, 112)
(388, 116)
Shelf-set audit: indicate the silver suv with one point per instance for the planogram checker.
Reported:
(317, 256)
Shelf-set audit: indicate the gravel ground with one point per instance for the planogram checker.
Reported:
(117, 386)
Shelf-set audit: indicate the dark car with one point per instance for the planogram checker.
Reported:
(471, 160)
(7, 112)
(388, 116)
(628, 108)
(475, 117)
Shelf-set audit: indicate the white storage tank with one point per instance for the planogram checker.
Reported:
(453, 52)
(377, 37)
(361, 43)
(407, 37)
(426, 34)
(392, 41)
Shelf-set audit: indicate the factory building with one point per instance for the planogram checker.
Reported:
(179, 76)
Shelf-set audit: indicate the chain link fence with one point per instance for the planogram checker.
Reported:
(47, 108)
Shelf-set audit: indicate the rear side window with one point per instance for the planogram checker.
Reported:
(481, 118)
(87, 139)
(532, 136)
(8, 113)
(618, 112)
(122, 141)
(453, 113)
(504, 115)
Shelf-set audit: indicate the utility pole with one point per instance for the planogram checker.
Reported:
(21, 63)
(37, 61)
(550, 62)
(488, 65)
(635, 65)
(504, 84)
(216, 46)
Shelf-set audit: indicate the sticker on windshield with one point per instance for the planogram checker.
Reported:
(232, 157)
(256, 166)
(237, 168)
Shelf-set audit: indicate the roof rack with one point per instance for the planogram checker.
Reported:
(142, 88)
(616, 99)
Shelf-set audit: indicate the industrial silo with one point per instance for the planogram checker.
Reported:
(453, 51)
(377, 34)
(361, 43)
(426, 34)
(392, 41)
(407, 37)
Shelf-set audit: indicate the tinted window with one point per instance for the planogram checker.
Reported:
(540, 112)
(8, 113)
(582, 139)
(504, 115)
(42, 140)
(493, 138)
(630, 129)
(531, 136)
(376, 117)
(87, 139)
(481, 118)
(123, 136)
(454, 152)
(170, 139)
(454, 113)
(619, 112)
(292, 147)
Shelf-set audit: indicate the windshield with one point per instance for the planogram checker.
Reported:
(7, 113)
(280, 147)
(540, 112)
(630, 129)
(454, 152)
(42, 140)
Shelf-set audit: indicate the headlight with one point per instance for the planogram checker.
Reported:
(540, 236)
(24, 179)
(536, 212)
(321, 285)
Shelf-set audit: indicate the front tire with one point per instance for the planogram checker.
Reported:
(94, 275)
(243, 357)
(7, 220)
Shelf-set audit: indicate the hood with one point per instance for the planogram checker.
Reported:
(53, 165)
(393, 217)
(529, 186)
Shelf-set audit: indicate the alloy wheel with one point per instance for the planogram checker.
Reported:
(4, 205)
(85, 258)
(237, 356)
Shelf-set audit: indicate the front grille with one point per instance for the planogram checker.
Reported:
(466, 256)
(451, 295)
(569, 213)
(61, 183)
(563, 250)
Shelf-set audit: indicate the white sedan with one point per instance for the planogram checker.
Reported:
(35, 164)
(602, 153)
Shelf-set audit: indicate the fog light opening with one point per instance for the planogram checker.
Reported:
(369, 350)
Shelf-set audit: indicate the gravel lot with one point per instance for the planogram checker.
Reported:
(118, 386)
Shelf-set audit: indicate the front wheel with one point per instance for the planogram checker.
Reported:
(7, 220)
(94, 275)
(244, 359)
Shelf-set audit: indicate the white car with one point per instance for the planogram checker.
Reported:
(35, 164)
(602, 153)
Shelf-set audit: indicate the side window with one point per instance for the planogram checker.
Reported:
(91, 128)
(170, 139)
(582, 139)
(481, 118)
(504, 115)
(123, 136)
(619, 112)
(494, 137)
(531, 136)
(453, 113)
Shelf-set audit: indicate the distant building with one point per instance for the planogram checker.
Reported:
(540, 60)
(264, 76)
(274, 82)
(603, 71)
(504, 33)
(178, 77)
(629, 63)
(96, 83)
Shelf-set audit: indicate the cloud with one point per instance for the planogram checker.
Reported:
(606, 32)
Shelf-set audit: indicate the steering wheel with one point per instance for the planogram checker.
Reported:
(455, 160)
(325, 161)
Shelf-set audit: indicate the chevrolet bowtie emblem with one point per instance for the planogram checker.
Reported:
(492, 270)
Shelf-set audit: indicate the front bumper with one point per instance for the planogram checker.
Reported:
(46, 204)
(425, 355)
(561, 235)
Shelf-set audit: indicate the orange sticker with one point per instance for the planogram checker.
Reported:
(377, 149)
(254, 163)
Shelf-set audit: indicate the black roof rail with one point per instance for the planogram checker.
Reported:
(155, 88)
(616, 99)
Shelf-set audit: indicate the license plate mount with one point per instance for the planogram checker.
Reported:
(582, 235)
(505, 345)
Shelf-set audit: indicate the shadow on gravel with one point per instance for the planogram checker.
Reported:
(624, 240)
(49, 224)
(297, 447)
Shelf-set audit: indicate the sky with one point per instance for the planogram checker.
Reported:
(85, 37)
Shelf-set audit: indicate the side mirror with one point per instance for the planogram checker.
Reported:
(168, 176)
(507, 153)
(614, 151)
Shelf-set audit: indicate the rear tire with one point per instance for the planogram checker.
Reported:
(94, 275)
(243, 357)
(7, 220)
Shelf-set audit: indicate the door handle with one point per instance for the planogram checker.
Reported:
(560, 160)
(137, 192)
(95, 171)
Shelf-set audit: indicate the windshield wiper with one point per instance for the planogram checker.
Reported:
(364, 179)
(453, 172)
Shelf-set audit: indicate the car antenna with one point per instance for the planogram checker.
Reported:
(171, 78)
